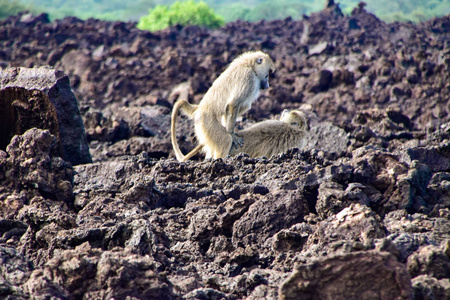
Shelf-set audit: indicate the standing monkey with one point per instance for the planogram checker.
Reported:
(230, 96)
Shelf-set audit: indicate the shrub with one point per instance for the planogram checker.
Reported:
(182, 13)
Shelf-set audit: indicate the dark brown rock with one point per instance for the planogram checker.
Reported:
(14, 272)
(356, 223)
(42, 98)
(85, 271)
(437, 158)
(431, 260)
(267, 216)
(30, 170)
(321, 81)
(427, 287)
(360, 275)
(329, 138)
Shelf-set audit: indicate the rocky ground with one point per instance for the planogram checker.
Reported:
(363, 212)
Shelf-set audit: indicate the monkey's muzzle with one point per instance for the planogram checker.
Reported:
(264, 84)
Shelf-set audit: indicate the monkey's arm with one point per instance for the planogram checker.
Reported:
(232, 112)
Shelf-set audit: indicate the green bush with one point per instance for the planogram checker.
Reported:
(182, 13)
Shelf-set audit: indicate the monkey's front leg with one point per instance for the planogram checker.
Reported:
(230, 119)
(238, 141)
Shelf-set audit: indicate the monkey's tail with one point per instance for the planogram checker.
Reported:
(189, 109)
(192, 153)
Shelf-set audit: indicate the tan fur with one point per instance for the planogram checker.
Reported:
(230, 96)
(272, 137)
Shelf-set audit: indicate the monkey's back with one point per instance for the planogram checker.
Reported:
(269, 138)
(234, 84)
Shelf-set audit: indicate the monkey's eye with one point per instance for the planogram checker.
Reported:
(259, 61)
(294, 124)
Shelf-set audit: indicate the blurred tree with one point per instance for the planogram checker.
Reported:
(401, 10)
(10, 7)
(182, 13)
(270, 10)
(100, 9)
(249, 10)
(235, 11)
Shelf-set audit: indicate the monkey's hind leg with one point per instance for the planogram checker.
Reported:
(213, 136)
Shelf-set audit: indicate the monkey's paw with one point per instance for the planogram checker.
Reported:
(237, 141)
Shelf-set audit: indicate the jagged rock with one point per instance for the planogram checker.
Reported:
(15, 270)
(359, 275)
(11, 230)
(207, 293)
(356, 223)
(93, 273)
(321, 81)
(114, 177)
(431, 260)
(317, 49)
(30, 170)
(267, 216)
(42, 98)
(437, 158)
(328, 137)
(427, 287)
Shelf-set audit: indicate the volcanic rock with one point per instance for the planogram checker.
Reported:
(42, 98)
(359, 275)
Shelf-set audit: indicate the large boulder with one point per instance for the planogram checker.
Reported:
(42, 97)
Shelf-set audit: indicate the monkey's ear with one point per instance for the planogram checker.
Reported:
(259, 60)
(284, 113)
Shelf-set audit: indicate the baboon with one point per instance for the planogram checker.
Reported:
(230, 96)
(270, 137)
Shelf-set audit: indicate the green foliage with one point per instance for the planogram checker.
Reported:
(387, 10)
(10, 7)
(100, 9)
(249, 10)
(235, 11)
(182, 13)
(267, 10)
(271, 10)
(401, 10)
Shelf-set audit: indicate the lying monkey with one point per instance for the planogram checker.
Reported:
(272, 137)
(269, 137)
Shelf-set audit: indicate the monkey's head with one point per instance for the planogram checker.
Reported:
(295, 118)
(262, 65)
